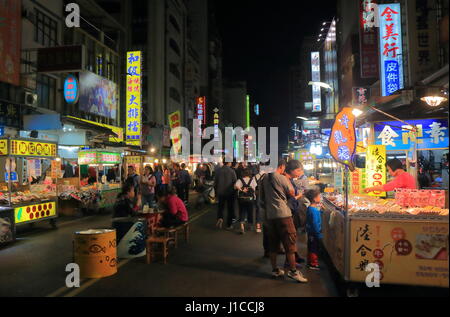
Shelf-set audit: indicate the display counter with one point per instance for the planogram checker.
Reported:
(409, 244)
(28, 179)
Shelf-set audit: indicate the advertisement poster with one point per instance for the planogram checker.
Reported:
(342, 143)
(10, 41)
(175, 122)
(412, 253)
(376, 168)
(97, 95)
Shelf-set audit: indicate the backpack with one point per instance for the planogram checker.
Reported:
(249, 195)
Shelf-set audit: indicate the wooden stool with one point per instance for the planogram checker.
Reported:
(168, 233)
(157, 241)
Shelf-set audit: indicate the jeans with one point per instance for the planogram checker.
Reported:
(313, 249)
(148, 199)
(246, 211)
(229, 200)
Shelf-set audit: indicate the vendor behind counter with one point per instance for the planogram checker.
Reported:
(402, 179)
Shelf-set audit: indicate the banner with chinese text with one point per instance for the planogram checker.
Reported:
(10, 41)
(342, 143)
(376, 168)
(368, 37)
(411, 253)
(134, 106)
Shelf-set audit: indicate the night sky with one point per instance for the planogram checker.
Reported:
(262, 41)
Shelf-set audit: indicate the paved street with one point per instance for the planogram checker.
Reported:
(214, 263)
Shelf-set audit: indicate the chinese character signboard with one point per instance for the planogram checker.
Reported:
(10, 41)
(200, 113)
(342, 142)
(71, 92)
(391, 48)
(32, 148)
(134, 106)
(175, 122)
(368, 37)
(216, 124)
(408, 253)
(361, 96)
(376, 168)
(317, 96)
(431, 134)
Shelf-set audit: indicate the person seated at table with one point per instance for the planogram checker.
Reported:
(84, 180)
(175, 213)
(125, 205)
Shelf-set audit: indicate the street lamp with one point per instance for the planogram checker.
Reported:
(433, 97)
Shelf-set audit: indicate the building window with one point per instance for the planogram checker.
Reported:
(175, 47)
(173, 68)
(174, 94)
(46, 91)
(46, 30)
(174, 23)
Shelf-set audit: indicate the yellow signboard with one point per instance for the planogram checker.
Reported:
(4, 147)
(175, 122)
(116, 130)
(35, 212)
(33, 148)
(134, 106)
(407, 252)
(133, 159)
(376, 168)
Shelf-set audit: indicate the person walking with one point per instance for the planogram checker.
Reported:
(148, 185)
(224, 181)
(184, 183)
(314, 228)
(246, 193)
(165, 179)
(275, 191)
(133, 179)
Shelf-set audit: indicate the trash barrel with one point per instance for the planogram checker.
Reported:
(95, 252)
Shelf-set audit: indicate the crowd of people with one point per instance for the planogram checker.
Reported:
(277, 204)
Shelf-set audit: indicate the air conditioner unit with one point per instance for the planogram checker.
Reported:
(30, 99)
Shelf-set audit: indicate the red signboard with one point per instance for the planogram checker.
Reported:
(368, 37)
(342, 142)
(10, 41)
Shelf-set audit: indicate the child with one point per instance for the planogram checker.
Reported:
(313, 228)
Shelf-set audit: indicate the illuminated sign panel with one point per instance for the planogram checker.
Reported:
(391, 48)
(134, 106)
(200, 113)
(71, 89)
(376, 168)
(90, 157)
(35, 212)
(175, 122)
(342, 141)
(368, 37)
(317, 96)
(32, 148)
(116, 130)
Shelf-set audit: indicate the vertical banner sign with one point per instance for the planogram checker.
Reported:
(368, 39)
(134, 106)
(391, 48)
(317, 96)
(71, 89)
(175, 122)
(216, 124)
(10, 41)
(200, 114)
(248, 112)
(342, 143)
(376, 168)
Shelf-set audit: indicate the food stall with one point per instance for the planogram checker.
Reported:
(404, 235)
(28, 181)
(103, 171)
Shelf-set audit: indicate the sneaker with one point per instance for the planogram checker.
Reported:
(297, 276)
(278, 273)
(219, 223)
(314, 267)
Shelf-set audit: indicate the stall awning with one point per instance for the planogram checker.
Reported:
(83, 124)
